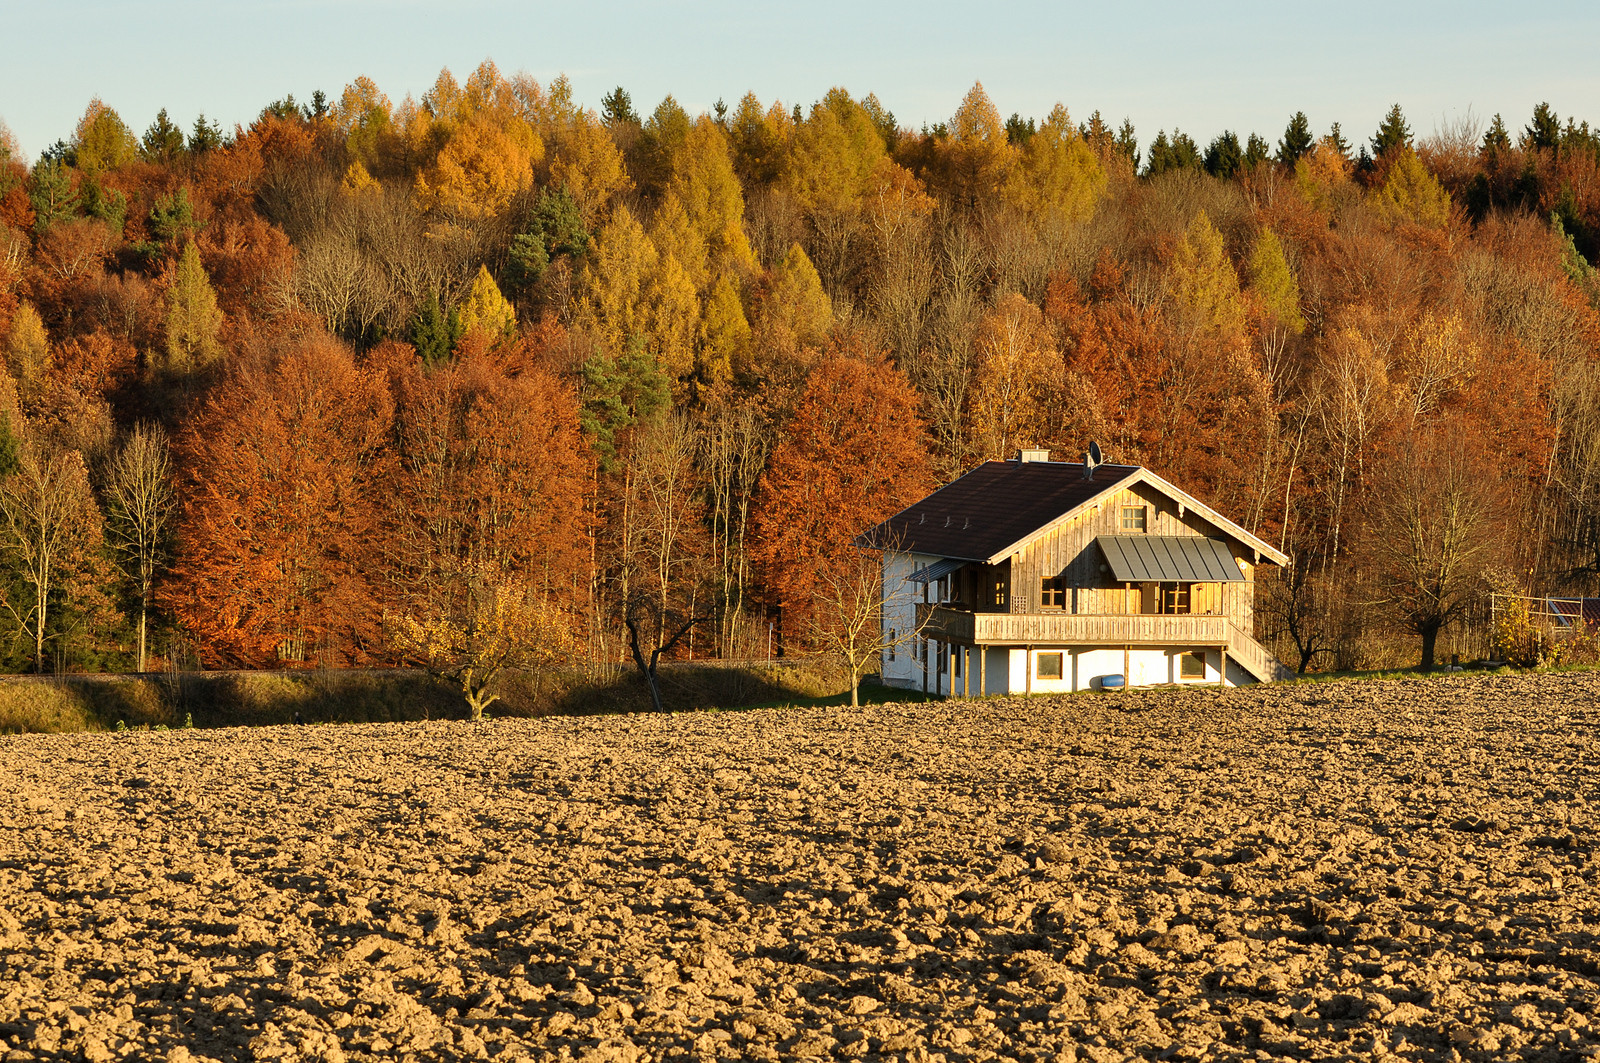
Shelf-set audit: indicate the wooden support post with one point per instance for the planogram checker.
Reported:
(983, 676)
(1127, 667)
(1224, 670)
(1027, 668)
(966, 671)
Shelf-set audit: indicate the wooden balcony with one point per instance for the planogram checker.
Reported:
(1070, 629)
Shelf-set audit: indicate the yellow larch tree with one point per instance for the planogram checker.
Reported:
(486, 310)
(1411, 194)
(1059, 174)
(27, 352)
(616, 276)
(588, 165)
(1205, 285)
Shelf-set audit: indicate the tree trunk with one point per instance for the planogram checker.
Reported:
(1430, 636)
(143, 613)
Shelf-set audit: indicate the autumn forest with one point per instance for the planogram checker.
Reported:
(372, 382)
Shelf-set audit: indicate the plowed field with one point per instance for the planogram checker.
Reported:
(1334, 871)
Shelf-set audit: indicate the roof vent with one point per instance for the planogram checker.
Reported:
(1033, 455)
(1090, 460)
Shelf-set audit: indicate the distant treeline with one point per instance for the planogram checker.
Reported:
(369, 383)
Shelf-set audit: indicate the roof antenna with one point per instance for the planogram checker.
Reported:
(1090, 460)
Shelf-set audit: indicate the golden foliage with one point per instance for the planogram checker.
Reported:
(488, 159)
(502, 624)
(193, 318)
(102, 140)
(1205, 286)
(796, 299)
(1018, 369)
(616, 273)
(588, 165)
(1274, 284)
(1059, 173)
(27, 352)
(1411, 194)
(486, 310)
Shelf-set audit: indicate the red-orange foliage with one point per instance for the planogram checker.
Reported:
(852, 455)
(494, 472)
(287, 482)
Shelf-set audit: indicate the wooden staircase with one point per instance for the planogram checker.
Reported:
(1254, 657)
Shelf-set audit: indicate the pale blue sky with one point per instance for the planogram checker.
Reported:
(1162, 63)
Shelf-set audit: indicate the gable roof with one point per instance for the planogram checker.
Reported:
(983, 512)
(997, 508)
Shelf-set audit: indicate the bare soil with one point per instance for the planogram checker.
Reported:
(1360, 870)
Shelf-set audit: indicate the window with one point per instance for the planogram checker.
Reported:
(999, 591)
(1049, 666)
(1133, 518)
(893, 642)
(1053, 593)
(1175, 598)
(1192, 666)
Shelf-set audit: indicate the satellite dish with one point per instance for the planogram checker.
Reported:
(1094, 453)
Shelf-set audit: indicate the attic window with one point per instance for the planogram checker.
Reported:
(1053, 593)
(1133, 518)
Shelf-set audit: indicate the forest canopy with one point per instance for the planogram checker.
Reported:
(370, 382)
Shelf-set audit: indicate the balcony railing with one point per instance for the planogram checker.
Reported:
(1070, 629)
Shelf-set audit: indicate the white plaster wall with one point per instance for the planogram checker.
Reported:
(900, 596)
(1093, 664)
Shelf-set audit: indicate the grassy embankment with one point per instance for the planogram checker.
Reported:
(231, 699)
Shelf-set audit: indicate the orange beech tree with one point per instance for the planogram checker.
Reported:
(490, 533)
(852, 454)
(287, 476)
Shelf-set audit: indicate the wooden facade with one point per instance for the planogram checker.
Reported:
(1054, 589)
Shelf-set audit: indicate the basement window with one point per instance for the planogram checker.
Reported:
(1053, 593)
(1049, 666)
(1133, 518)
(1192, 666)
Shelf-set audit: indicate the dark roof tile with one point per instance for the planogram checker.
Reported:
(993, 506)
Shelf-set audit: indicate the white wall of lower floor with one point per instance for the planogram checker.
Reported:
(953, 670)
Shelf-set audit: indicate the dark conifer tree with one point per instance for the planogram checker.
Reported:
(1297, 139)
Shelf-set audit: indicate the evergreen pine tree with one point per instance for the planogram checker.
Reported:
(1496, 139)
(1340, 144)
(1392, 133)
(1256, 151)
(163, 141)
(1545, 129)
(52, 195)
(1297, 139)
(435, 331)
(1224, 156)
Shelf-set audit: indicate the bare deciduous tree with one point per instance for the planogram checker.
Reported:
(51, 525)
(139, 488)
(847, 621)
(1432, 532)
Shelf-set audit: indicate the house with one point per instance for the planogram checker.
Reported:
(1034, 576)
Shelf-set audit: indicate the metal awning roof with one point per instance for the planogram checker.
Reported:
(1169, 559)
(929, 573)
